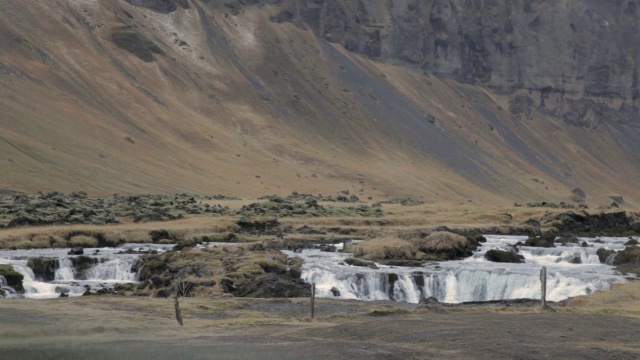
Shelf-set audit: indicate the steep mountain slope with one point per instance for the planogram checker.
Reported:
(445, 100)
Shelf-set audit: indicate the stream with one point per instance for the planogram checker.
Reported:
(108, 266)
(573, 270)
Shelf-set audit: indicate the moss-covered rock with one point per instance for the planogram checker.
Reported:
(545, 240)
(630, 255)
(83, 263)
(361, 263)
(503, 256)
(447, 246)
(43, 268)
(14, 278)
(604, 254)
(240, 270)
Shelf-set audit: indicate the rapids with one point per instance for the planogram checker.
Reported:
(113, 265)
(572, 270)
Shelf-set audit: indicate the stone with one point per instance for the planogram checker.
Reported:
(43, 268)
(12, 277)
(501, 256)
(76, 251)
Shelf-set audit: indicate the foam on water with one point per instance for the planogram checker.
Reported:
(572, 271)
(112, 267)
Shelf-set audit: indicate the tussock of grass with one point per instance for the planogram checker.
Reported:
(385, 248)
(441, 241)
(83, 240)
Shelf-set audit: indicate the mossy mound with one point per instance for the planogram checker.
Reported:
(279, 207)
(618, 223)
(14, 278)
(447, 245)
(77, 208)
(628, 260)
(242, 270)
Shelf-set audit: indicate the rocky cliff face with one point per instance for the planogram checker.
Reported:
(574, 59)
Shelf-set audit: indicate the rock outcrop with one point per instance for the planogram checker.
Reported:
(568, 58)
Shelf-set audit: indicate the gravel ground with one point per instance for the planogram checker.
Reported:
(129, 329)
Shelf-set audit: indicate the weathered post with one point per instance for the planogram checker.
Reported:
(176, 305)
(543, 281)
(313, 299)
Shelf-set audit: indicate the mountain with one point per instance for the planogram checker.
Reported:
(491, 101)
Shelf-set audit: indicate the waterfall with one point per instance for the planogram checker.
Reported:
(572, 271)
(113, 267)
(64, 272)
(112, 270)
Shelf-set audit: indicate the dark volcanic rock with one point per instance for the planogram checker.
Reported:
(503, 256)
(628, 260)
(545, 240)
(75, 251)
(606, 224)
(83, 263)
(14, 278)
(604, 255)
(43, 268)
(401, 262)
(361, 263)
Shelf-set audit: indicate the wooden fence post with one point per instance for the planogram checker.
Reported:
(313, 299)
(176, 305)
(543, 281)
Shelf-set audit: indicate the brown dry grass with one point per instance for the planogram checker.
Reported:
(85, 127)
(384, 248)
(400, 222)
(622, 299)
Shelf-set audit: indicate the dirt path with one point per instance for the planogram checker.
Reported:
(125, 328)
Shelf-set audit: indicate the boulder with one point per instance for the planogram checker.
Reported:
(83, 263)
(328, 248)
(62, 290)
(630, 255)
(545, 240)
(447, 245)
(503, 256)
(604, 254)
(564, 240)
(361, 263)
(272, 286)
(401, 262)
(12, 277)
(76, 251)
(44, 268)
(628, 260)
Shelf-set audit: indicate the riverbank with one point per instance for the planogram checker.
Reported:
(601, 326)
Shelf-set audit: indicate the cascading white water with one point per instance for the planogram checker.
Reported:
(64, 272)
(112, 270)
(572, 271)
(112, 267)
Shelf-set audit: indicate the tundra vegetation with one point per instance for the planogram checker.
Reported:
(397, 232)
